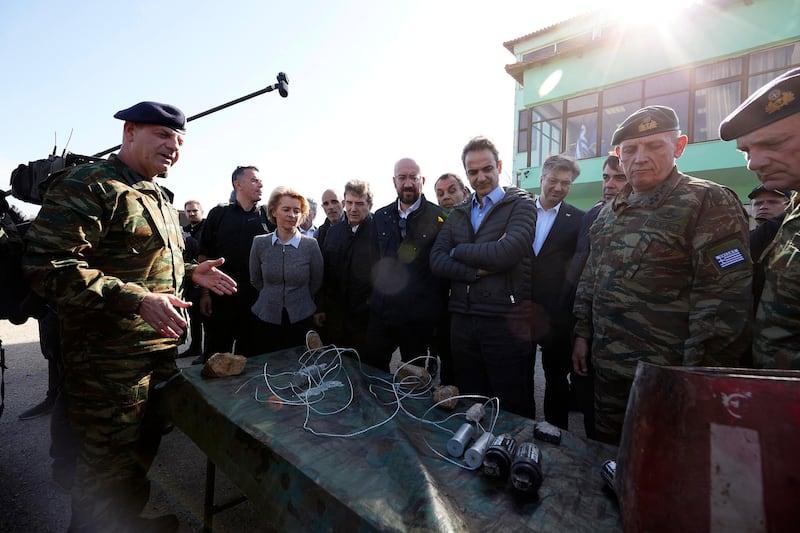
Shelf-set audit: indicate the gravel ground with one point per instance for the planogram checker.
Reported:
(30, 502)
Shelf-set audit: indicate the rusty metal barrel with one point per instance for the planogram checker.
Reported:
(710, 449)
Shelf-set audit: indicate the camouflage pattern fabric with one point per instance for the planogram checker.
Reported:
(387, 479)
(668, 281)
(105, 237)
(776, 343)
(111, 410)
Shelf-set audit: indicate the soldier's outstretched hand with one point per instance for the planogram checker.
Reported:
(206, 275)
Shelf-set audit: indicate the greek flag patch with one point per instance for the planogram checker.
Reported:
(729, 258)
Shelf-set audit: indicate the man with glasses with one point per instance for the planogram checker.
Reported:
(557, 227)
(407, 299)
(484, 249)
(229, 233)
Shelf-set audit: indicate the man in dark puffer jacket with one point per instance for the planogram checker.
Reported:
(484, 249)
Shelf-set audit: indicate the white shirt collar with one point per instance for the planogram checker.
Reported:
(294, 241)
(414, 207)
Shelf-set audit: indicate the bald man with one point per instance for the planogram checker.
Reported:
(332, 206)
(407, 299)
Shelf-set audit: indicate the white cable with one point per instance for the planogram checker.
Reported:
(323, 368)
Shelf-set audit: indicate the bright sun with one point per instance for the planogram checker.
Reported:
(656, 12)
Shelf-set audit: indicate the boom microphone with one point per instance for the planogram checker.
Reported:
(283, 85)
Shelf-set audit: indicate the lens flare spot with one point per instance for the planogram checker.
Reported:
(550, 83)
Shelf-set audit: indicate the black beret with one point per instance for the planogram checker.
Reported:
(774, 101)
(759, 189)
(647, 121)
(155, 113)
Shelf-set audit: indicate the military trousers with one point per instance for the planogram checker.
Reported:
(112, 410)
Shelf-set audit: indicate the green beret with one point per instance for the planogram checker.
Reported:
(774, 101)
(155, 113)
(647, 121)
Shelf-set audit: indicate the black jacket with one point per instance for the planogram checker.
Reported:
(322, 231)
(582, 249)
(550, 266)
(348, 258)
(760, 238)
(502, 246)
(192, 240)
(405, 290)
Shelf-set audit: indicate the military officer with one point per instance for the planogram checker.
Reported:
(766, 127)
(668, 278)
(107, 250)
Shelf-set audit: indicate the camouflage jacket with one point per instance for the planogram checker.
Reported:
(105, 237)
(668, 277)
(777, 329)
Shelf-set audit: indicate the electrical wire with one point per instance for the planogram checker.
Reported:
(322, 369)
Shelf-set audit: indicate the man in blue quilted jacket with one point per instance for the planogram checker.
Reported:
(484, 249)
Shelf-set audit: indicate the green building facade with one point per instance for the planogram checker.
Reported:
(577, 80)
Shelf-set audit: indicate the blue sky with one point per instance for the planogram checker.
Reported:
(370, 83)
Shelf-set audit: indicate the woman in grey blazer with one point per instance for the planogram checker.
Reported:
(286, 268)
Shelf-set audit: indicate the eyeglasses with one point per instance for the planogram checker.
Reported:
(405, 177)
(564, 183)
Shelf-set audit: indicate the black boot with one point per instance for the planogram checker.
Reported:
(41, 409)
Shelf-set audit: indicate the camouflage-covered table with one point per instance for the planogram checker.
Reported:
(386, 479)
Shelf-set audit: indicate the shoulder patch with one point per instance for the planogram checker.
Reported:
(729, 258)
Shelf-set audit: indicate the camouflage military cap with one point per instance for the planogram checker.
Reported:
(761, 189)
(646, 121)
(774, 101)
(155, 113)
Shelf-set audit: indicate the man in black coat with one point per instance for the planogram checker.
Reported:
(349, 252)
(228, 232)
(407, 299)
(192, 232)
(557, 227)
(333, 215)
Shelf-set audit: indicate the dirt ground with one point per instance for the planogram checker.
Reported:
(31, 503)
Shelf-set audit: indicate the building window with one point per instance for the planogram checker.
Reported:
(546, 128)
(718, 91)
(618, 103)
(702, 96)
(523, 130)
(672, 90)
(582, 136)
(711, 106)
(769, 64)
(582, 125)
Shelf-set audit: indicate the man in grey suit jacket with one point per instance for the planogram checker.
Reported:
(557, 227)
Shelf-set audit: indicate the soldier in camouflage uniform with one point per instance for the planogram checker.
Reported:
(766, 127)
(107, 250)
(668, 279)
